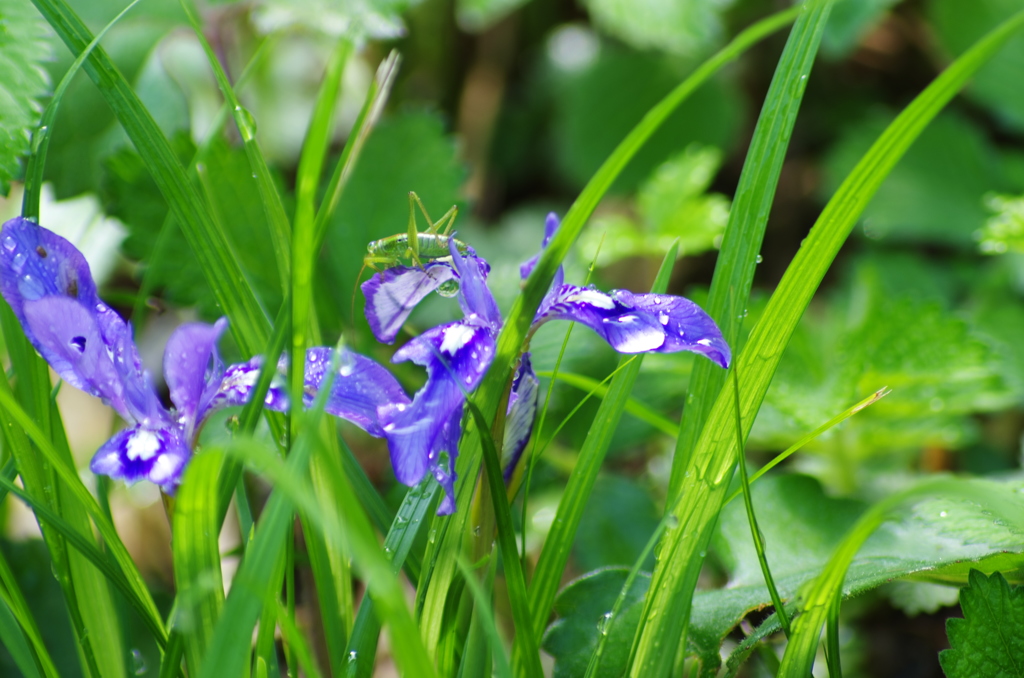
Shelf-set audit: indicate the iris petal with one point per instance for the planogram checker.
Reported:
(138, 453)
(392, 294)
(637, 323)
(522, 412)
(192, 367)
(456, 357)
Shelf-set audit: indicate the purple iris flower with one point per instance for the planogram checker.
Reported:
(48, 285)
(423, 436)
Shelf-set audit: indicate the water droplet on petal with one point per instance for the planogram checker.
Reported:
(19, 262)
(9, 243)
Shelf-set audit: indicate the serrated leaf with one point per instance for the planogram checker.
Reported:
(881, 332)
(680, 27)
(989, 640)
(583, 609)
(805, 527)
(25, 45)
(1004, 230)
(934, 193)
(672, 205)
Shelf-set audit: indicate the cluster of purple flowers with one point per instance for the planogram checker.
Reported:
(47, 283)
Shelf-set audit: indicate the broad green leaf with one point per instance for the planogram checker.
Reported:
(680, 27)
(619, 518)
(848, 24)
(875, 333)
(25, 46)
(935, 500)
(408, 152)
(583, 609)
(589, 123)
(935, 192)
(1004, 230)
(672, 203)
(176, 275)
(958, 26)
(989, 640)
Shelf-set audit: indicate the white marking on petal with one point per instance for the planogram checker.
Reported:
(704, 342)
(164, 468)
(592, 297)
(455, 337)
(143, 445)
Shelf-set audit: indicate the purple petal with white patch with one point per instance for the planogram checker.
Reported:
(637, 323)
(138, 453)
(522, 411)
(392, 294)
(360, 387)
(456, 356)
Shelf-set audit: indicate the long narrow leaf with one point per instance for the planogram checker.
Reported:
(704, 485)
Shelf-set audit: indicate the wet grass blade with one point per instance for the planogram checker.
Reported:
(249, 323)
(560, 539)
(196, 556)
(667, 606)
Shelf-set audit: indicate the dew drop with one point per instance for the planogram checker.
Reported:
(604, 624)
(943, 514)
(246, 124)
(759, 259)
(19, 262)
(9, 243)
(138, 663)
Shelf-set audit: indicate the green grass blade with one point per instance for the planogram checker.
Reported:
(89, 549)
(558, 544)
(277, 220)
(196, 556)
(41, 137)
(249, 323)
(525, 647)
(14, 599)
(15, 643)
(484, 614)
(668, 604)
(368, 116)
(820, 597)
(253, 583)
(293, 489)
(73, 484)
(748, 503)
(399, 541)
(834, 421)
(640, 410)
(748, 217)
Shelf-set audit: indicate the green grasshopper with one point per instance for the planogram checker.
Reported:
(417, 247)
(414, 245)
